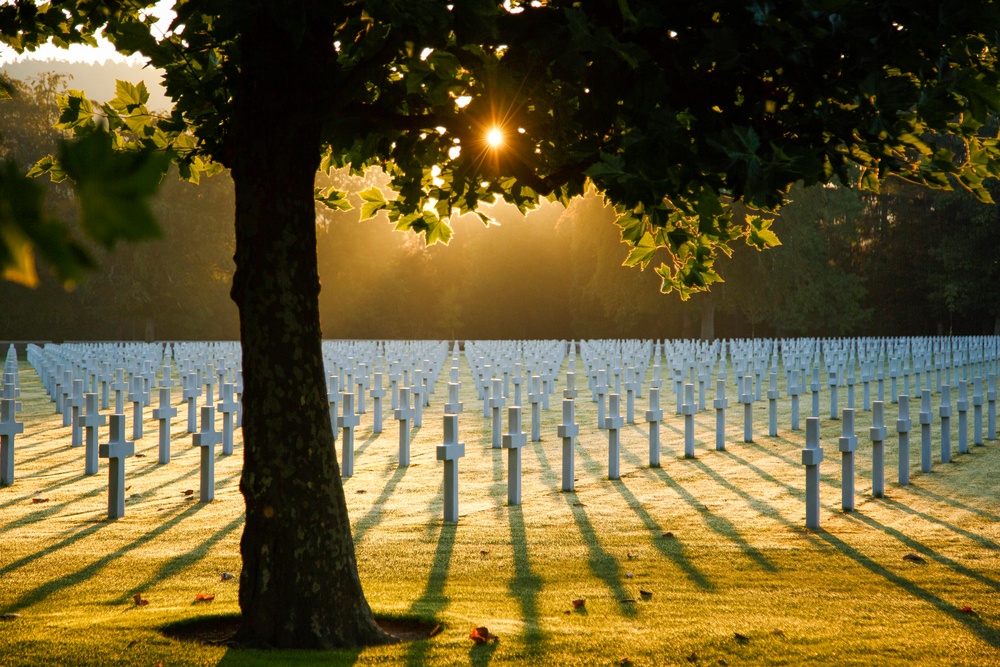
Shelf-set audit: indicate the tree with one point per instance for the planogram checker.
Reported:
(673, 112)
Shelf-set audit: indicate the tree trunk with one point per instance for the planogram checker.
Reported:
(299, 587)
(707, 319)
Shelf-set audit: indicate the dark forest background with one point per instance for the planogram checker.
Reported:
(907, 261)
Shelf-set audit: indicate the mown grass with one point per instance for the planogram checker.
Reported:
(738, 560)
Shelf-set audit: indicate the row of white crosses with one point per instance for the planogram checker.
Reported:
(199, 365)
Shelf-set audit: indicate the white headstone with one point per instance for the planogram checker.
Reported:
(116, 450)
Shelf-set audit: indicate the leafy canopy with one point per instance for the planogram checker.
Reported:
(673, 111)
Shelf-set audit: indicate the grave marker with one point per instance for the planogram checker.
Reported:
(925, 431)
(613, 423)
(568, 430)
(654, 416)
(848, 445)
(348, 421)
(404, 413)
(513, 441)
(812, 455)
(720, 404)
(450, 452)
(91, 421)
(116, 450)
(903, 429)
(206, 439)
(877, 434)
(9, 428)
(945, 413)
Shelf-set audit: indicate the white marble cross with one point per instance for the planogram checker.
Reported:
(877, 434)
(688, 408)
(568, 430)
(513, 441)
(377, 393)
(91, 421)
(116, 450)
(450, 452)
(348, 421)
(848, 445)
(404, 413)
(926, 417)
(163, 414)
(613, 423)
(496, 403)
(903, 429)
(654, 415)
(206, 439)
(227, 408)
(944, 411)
(9, 428)
(812, 456)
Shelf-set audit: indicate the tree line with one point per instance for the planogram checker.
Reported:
(905, 261)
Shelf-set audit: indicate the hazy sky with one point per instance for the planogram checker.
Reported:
(93, 69)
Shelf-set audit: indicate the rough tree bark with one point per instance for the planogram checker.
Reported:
(299, 586)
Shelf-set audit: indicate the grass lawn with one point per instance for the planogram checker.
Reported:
(718, 540)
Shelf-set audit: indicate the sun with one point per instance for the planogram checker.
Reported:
(494, 137)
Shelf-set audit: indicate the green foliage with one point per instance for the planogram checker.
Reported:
(675, 115)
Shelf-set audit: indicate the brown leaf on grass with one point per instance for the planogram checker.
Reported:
(204, 597)
(140, 456)
(482, 635)
(627, 600)
(35, 501)
(128, 487)
(693, 657)
(722, 662)
(668, 534)
(645, 594)
(139, 600)
(578, 505)
(778, 632)
(188, 492)
(630, 556)
(967, 610)
(226, 576)
(361, 491)
(9, 616)
(483, 552)
(914, 558)
(579, 603)
(625, 662)
(743, 639)
(435, 631)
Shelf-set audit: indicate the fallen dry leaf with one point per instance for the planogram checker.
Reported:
(140, 456)
(579, 603)
(743, 639)
(39, 500)
(722, 662)
(189, 492)
(9, 616)
(482, 635)
(630, 556)
(435, 631)
(483, 552)
(778, 632)
(627, 600)
(645, 594)
(204, 597)
(914, 557)
(578, 505)
(128, 487)
(628, 575)
(693, 657)
(668, 534)
(625, 662)
(226, 576)
(139, 601)
(361, 491)
(966, 610)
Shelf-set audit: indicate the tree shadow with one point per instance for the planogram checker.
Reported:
(971, 621)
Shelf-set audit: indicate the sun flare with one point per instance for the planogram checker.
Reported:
(494, 137)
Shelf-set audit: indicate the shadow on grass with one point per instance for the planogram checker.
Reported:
(54, 586)
(374, 515)
(177, 564)
(988, 634)
(601, 563)
(433, 599)
(921, 491)
(526, 584)
(979, 539)
(359, 449)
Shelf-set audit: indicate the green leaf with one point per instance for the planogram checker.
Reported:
(374, 202)
(333, 198)
(642, 252)
(438, 231)
(75, 112)
(113, 188)
(129, 95)
(759, 235)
